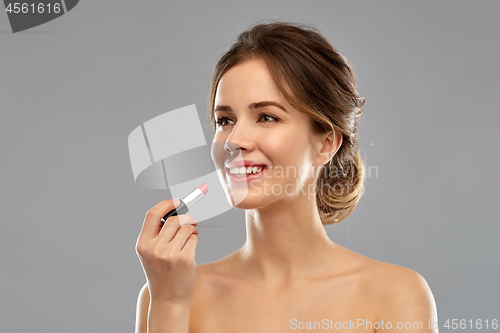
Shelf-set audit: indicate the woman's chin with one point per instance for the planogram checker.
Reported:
(245, 206)
(246, 202)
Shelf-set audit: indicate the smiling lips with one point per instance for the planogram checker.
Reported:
(245, 171)
(239, 171)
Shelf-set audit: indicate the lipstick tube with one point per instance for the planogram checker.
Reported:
(187, 202)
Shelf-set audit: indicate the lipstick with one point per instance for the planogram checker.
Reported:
(187, 202)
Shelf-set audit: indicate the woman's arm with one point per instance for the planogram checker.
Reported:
(167, 254)
(160, 317)
(408, 304)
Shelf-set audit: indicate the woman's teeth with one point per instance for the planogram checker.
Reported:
(245, 171)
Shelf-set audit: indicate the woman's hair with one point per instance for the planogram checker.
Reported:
(318, 81)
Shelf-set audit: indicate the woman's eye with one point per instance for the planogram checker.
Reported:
(263, 117)
(223, 121)
(267, 118)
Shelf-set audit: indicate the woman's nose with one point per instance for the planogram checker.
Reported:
(240, 138)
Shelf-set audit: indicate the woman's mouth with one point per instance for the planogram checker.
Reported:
(245, 174)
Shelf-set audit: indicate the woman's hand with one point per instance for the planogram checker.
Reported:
(167, 254)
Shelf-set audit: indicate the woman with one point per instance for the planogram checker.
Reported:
(283, 100)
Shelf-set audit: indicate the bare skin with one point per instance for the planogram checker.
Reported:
(350, 287)
(226, 300)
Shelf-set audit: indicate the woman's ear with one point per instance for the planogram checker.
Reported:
(327, 145)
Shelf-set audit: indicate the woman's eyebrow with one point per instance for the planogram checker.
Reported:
(257, 105)
(223, 108)
(266, 103)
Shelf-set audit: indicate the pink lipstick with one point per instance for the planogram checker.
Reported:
(187, 202)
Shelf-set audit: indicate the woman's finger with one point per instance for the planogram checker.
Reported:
(190, 245)
(173, 224)
(169, 229)
(182, 236)
(152, 222)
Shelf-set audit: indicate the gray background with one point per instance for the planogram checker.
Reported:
(73, 89)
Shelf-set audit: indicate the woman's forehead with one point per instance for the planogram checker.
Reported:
(248, 82)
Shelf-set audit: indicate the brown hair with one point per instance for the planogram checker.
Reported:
(317, 80)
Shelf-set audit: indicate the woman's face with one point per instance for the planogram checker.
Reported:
(264, 132)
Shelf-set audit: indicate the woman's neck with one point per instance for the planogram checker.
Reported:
(285, 241)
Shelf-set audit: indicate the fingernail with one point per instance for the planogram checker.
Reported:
(176, 202)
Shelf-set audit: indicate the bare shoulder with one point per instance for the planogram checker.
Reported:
(212, 275)
(403, 296)
(216, 280)
(144, 292)
(391, 293)
(400, 284)
(142, 309)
